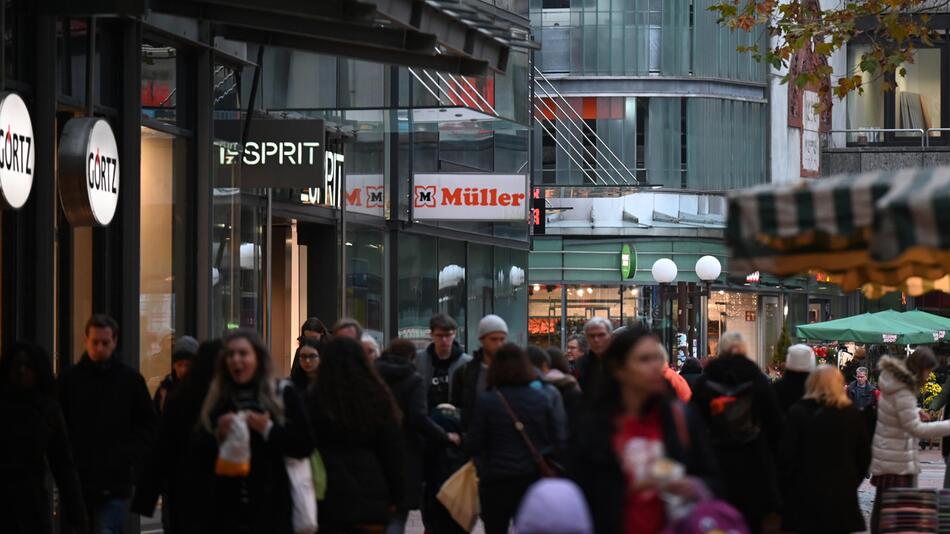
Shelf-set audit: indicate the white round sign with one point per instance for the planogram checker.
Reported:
(16, 151)
(102, 172)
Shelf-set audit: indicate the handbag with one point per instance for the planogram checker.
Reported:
(459, 495)
(302, 494)
(544, 466)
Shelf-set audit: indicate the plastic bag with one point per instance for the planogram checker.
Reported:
(302, 494)
(234, 452)
(459, 495)
(319, 473)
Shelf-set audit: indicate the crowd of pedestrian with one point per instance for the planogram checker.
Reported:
(608, 437)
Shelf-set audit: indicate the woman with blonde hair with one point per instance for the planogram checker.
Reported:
(820, 490)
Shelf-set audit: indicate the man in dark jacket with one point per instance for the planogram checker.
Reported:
(739, 407)
(471, 379)
(799, 363)
(598, 332)
(110, 422)
(863, 393)
(439, 361)
(183, 353)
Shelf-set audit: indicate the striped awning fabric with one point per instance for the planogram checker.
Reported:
(881, 228)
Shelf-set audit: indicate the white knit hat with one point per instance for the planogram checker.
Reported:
(800, 358)
(491, 324)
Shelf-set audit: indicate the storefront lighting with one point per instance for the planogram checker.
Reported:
(590, 291)
(349, 244)
(708, 268)
(785, 310)
(722, 292)
(580, 292)
(537, 287)
(664, 271)
(633, 291)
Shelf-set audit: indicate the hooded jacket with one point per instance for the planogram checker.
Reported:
(426, 356)
(417, 427)
(894, 449)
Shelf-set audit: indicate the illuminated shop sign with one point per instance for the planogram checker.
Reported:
(470, 197)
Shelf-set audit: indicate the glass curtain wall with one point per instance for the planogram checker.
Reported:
(418, 284)
(365, 278)
(544, 315)
(480, 290)
(725, 146)
(452, 282)
(511, 294)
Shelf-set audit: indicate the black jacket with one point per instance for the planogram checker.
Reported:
(790, 389)
(34, 445)
(465, 388)
(165, 389)
(269, 504)
(498, 448)
(110, 421)
(590, 371)
(593, 463)
(410, 394)
(821, 489)
(749, 472)
(364, 470)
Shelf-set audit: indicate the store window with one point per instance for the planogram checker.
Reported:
(159, 77)
(511, 295)
(865, 110)
(544, 315)
(418, 285)
(917, 93)
(480, 290)
(237, 261)
(734, 311)
(452, 282)
(364, 279)
(584, 302)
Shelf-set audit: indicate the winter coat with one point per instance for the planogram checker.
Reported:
(269, 504)
(570, 395)
(364, 470)
(941, 401)
(590, 371)
(862, 397)
(425, 357)
(678, 383)
(165, 388)
(557, 410)
(465, 387)
(593, 463)
(110, 421)
(691, 371)
(498, 449)
(899, 428)
(35, 445)
(410, 394)
(790, 389)
(820, 490)
(749, 472)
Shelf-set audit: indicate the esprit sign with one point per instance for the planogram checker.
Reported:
(89, 172)
(470, 197)
(327, 192)
(16, 152)
(279, 153)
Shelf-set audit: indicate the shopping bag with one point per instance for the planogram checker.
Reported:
(302, 495)
(459, 495)
(319, 473)
(234, 452)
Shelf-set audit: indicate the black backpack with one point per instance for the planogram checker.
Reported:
(732, 417)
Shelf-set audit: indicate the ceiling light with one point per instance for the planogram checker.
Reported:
(590, 291)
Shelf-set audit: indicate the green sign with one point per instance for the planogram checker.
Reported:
(628, 262)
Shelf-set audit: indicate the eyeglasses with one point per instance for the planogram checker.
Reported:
(309, 356)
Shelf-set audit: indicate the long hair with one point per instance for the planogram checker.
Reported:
(826, 386)
(35, 358)
(608, 398)
(194, 388)
(298, 376)
(350, 391)
(223, 387)
(923, 359)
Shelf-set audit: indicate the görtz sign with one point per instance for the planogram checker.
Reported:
(470, 197)
(16, 151)
(89, 172)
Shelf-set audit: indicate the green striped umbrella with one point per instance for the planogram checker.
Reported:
(881, 228)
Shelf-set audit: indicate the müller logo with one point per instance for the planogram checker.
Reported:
(431, 196)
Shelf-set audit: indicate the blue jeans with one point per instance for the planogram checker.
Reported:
(108, 517)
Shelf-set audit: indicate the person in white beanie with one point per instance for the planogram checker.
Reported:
(799, 363)
(469, 380)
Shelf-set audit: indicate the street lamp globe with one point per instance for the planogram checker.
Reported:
(664, 271)
(708, 268)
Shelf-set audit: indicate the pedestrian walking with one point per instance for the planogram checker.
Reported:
(348, 327)
(470, 380)
(245, 387)
(357, 429)
(183, 353)
(303, 372)
(820, 490)
(901, 424)
(437, 363)
(635, 434)
(738, 405)
(799, 363)
(110, 420)
(34, 446)
(597, 331)
(576, 348)
(863, 393)
(513, 432)
(554, 506)
(397, 370)
(691, 370)
(174, 469)
(556, 376)
(313, 328)
(370, 346)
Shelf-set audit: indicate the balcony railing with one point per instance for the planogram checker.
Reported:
(884, 137)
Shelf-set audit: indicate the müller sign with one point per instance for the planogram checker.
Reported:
(89, 172)
(16, 151)
(470, 197)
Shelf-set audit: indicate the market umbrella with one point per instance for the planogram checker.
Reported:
(888, 229)
(937, 330)
(866, 328)
(939, 323)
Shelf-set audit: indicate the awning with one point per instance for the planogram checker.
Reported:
(867, 328)
(879, 229)
(466, 37)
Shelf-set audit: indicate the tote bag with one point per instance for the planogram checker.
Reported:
(459, 495)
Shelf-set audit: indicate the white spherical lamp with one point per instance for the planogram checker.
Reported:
(708, 268)
(664, 271)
